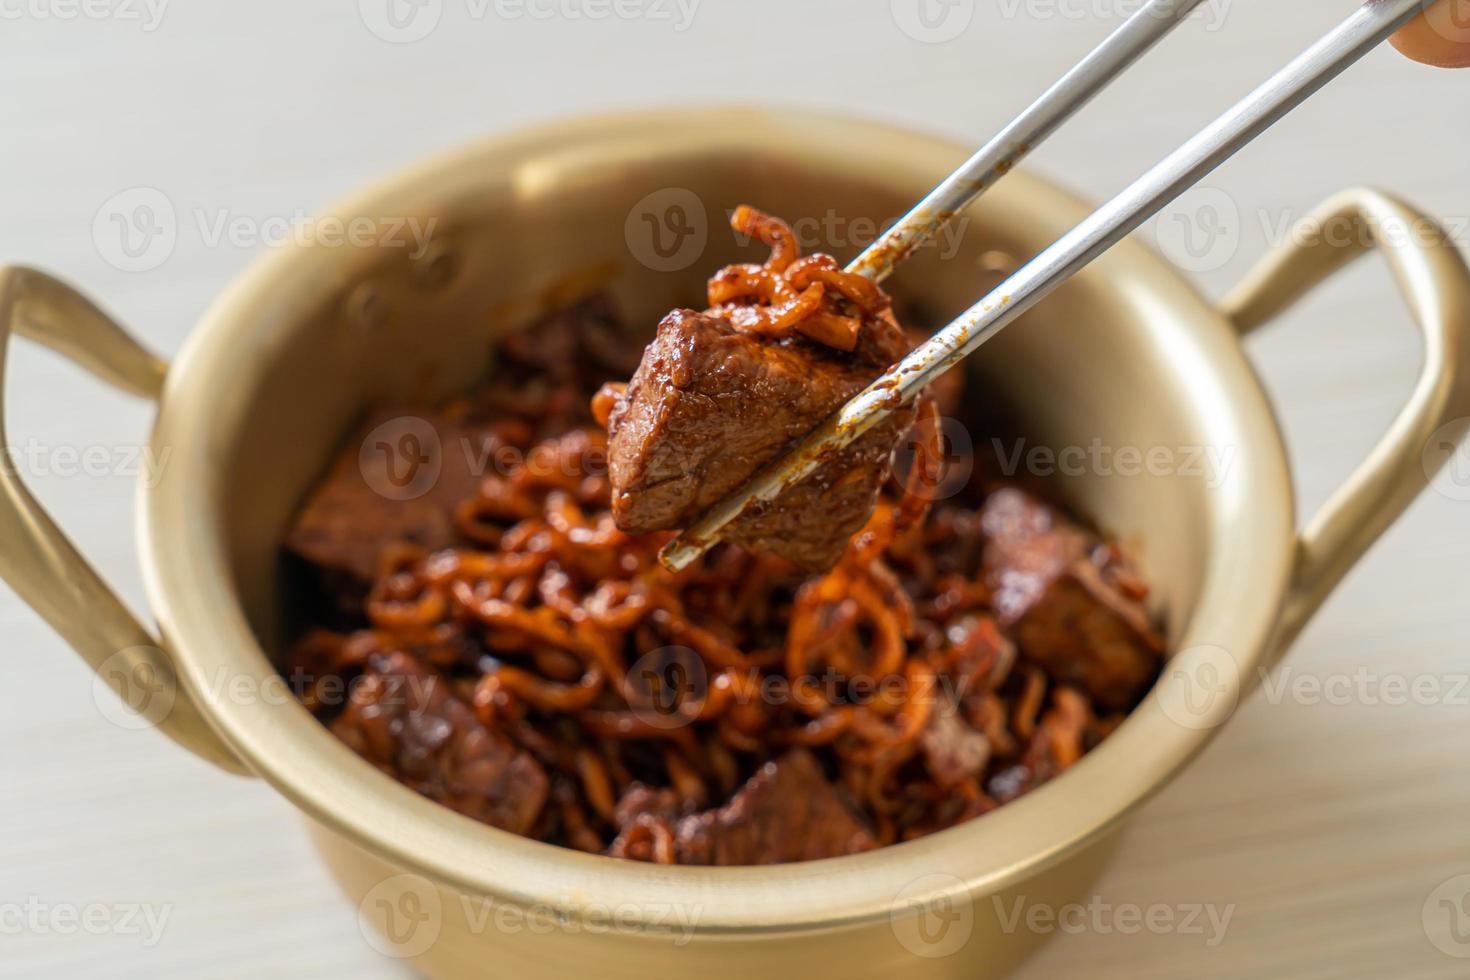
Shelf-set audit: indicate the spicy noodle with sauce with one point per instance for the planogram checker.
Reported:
(504, 645)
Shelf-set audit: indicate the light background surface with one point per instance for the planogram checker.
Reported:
(1325, 825)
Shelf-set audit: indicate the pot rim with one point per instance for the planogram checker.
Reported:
(190, 585)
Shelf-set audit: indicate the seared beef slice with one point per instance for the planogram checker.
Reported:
(788, 811)
(370, 497)
(403, 719)
(1055, 590)
(953, 751)
(709, 405)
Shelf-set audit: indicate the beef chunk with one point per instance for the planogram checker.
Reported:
(383, 488)
(403, 719)
(1058, 593)
(640, 800)
(953, 751)
(581, 344)
(787, 811)
(709, 405)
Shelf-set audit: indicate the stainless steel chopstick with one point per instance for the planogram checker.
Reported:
(1153, 21)
(1364, 30)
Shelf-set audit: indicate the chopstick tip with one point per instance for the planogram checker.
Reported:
(682, 552)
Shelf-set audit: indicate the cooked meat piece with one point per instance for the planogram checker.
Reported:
(787, 811)
(388, 491)
(583, 344)
(403, 719)
(639, 800)
(1032, 628)
(405, 485)
(953, 751)
(709, 405)
(1057, 592)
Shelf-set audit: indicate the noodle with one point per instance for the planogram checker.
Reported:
(569, 639)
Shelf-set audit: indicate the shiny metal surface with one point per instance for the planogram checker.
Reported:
(39, 560)
(250, 421)
(1153, 22)
(1368, 27)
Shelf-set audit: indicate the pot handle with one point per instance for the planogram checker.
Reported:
(1432, 275)
(37, 559)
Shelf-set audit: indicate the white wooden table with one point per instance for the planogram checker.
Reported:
(1325, 826)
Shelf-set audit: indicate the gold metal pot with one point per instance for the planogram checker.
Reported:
(1128, 354)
